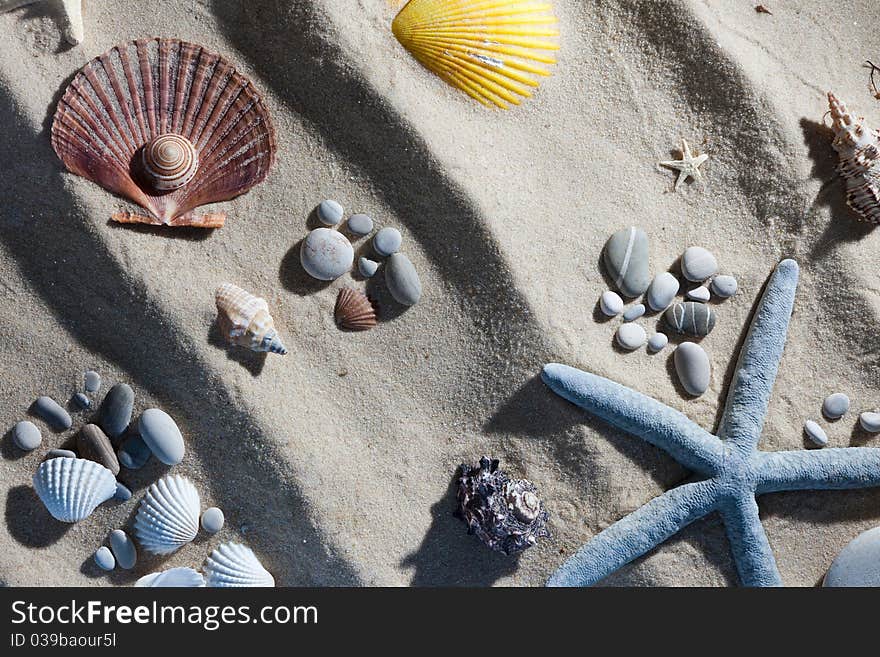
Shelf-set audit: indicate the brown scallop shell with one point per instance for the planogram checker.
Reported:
(353, 311)
(141, 90)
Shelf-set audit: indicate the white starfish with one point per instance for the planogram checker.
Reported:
(688, 166)
(72, 23)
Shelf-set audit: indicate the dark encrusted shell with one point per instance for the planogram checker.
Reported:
(506, 514)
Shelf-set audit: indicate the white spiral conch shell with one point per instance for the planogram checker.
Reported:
(173, 578)
(245, 320)
(234, 565)
(859, 149)
(170, 162)
(72, 488)
(168, 516)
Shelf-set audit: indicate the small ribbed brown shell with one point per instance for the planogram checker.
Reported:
(141, 90)
(353, 311)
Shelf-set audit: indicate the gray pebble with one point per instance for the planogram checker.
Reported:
(82, 402)
(626, 258)
(123, 494)
(856, 565)
(330, 213)
(367, 267)
(634, 312)
(134, 453)
(123, 549)
(403, 280)
(162, 436)
(657, 342)
(326, 254)
(104, 558)
(698, 264)
(815, 433)
(835, 406)
(93, 381)
(631, 336)
(610, 303)
(662, 291)
(870, 421)
(212, 520)
(360, 224)
(700, 294)
(59, 454)
(93, 444)
(26, 436)
(724, 286)
(387, 241)
(691, 318)
(115, 413)
(51, 411)
(692, 367)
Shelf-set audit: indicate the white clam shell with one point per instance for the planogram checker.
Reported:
(233, 564)
(173, 578)
(72, 488)
(168, 516)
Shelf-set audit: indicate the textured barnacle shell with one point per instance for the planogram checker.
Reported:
(859, 149)
(245, 320)
(506, 514)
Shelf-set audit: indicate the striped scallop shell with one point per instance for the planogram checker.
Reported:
(353, 311)
(493, 50)
(168, 125)
(859, 149)
(235, 565)
(72, 488)
(168, 516)
(173, 578)
(245, 320)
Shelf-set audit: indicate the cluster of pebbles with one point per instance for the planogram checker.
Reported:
(326, 253)
(834, 407)
(72, 484)
(627, 262)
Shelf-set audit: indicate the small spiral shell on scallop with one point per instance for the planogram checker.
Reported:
(170, 162)
(354, 311)
(493, 50)
(72, 488)
(168, 125)
(858, 147)
(236, 565)
(168, 516)
(245, 320)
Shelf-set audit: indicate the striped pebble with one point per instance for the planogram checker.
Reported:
(626, 258)
(691, 318)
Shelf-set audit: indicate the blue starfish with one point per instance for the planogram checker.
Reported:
(729, 469)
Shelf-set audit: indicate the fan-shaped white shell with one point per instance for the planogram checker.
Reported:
(233, 564)
(173, 578)
(72, 488)
(168, 516)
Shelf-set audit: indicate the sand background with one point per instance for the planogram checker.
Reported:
(335, 462)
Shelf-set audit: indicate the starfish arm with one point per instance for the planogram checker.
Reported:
(636, 534)
(759, 359)
(815, 469)
(638, 414)
(72, 25)
(748, 542)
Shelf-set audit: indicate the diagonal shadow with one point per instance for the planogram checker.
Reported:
(46, 231)
(310, 72)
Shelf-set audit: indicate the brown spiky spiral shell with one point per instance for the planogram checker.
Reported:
(858, 147)
(354, 311)
(141, 91)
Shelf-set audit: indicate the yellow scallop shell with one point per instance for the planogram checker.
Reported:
(490, 49)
